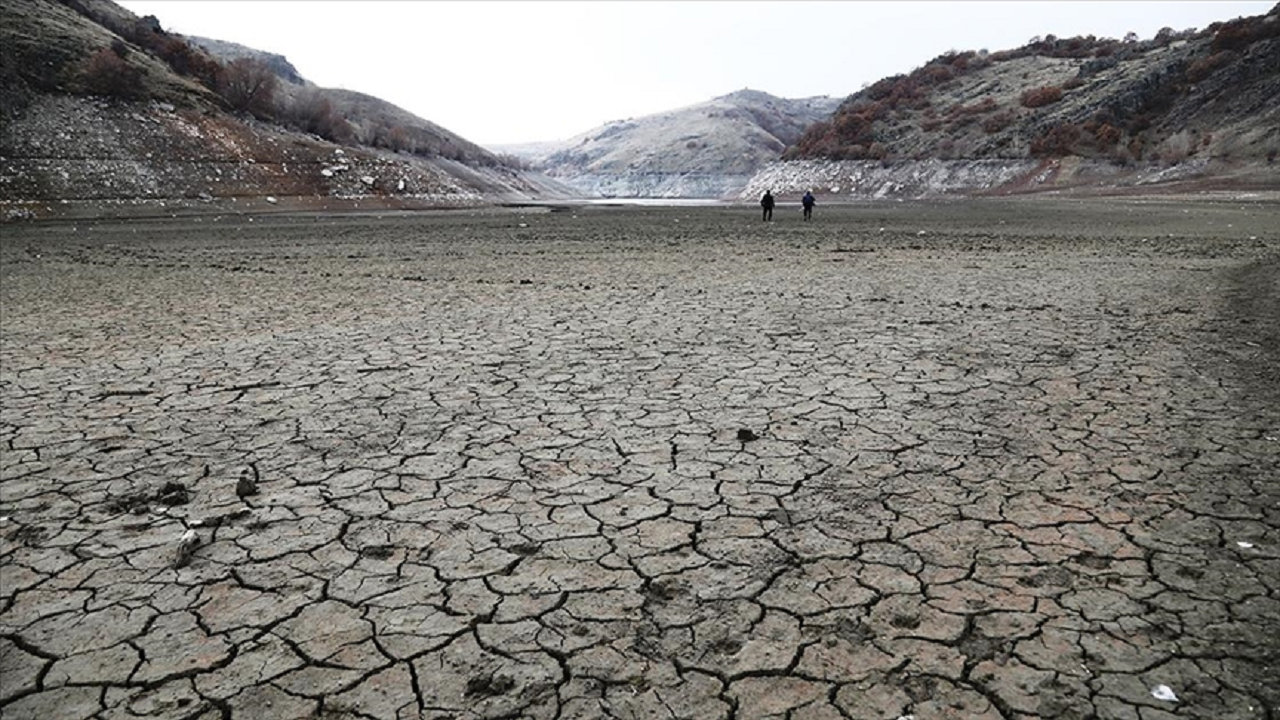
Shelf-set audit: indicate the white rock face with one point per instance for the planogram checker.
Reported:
(657, 185)
(872, 179)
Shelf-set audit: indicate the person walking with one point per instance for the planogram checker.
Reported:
(766, 202)
(808, 202)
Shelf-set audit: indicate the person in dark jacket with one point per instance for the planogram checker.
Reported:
(808, 202)
(766, 202)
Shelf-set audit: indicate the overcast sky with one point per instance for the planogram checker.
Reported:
(507, 72)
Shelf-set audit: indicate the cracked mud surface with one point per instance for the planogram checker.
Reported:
(644, 463)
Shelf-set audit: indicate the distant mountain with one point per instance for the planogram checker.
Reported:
(1193, 106)
(101, 106)
(706, 150)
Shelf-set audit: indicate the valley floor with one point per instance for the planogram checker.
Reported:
(1001, 458)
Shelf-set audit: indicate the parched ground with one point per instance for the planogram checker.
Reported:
(970, 460)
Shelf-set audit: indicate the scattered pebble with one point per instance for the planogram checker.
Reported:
(246, 486)
(1244, 544)
(1163, 692)
(186, 547)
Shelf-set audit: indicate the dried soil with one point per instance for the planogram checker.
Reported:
(999, 458)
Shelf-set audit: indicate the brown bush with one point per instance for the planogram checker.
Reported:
(313, 113)
(1041, 96)
(1107, 134)
(998, 122)
(1072, 83)
(106, 73)
(938, 73)
(1240, 33)
(958, 110)
(185, 59)
(1059, 140)
(1202, 68)
(248, 85)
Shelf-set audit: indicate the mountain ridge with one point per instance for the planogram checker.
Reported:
(101, 106)
(707, 149)
(1085, 112)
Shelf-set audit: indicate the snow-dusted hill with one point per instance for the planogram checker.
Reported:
(710, 149)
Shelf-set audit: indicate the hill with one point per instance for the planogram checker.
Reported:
(107, 111)
(1057, 112)
(709, 149)
(228, 51)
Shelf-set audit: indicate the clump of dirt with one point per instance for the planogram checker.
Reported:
(171, 494)
(484, 686)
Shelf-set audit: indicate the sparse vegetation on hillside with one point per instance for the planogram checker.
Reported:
(106, 51)
(248, 86)
(980, 104)
(105, 72)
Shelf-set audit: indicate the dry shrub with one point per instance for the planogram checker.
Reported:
(1242, 32)
(248, 85)
(1041, 96)
(998, 122)
(312, 112)
(1072, 83)
(106, 73)
(1202, 68)
(1107, 135)
(188, 60)
(1176, 148)
(1059, 140)
(938, 74)
(959, 110)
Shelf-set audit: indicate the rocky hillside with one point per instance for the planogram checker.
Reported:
(103, 111)
(1192, 106)
(228, 51)
(706, 150)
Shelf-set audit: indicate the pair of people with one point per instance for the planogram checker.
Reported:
(807, 202)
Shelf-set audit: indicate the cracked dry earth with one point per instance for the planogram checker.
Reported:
(998, 459)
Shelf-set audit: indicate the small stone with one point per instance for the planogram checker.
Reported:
(186, 548)
(173, 493)
(745, 435)
(246, 485)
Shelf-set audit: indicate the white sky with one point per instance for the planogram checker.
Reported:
(499, 72)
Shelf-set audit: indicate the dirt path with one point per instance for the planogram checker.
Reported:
(986, 459)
